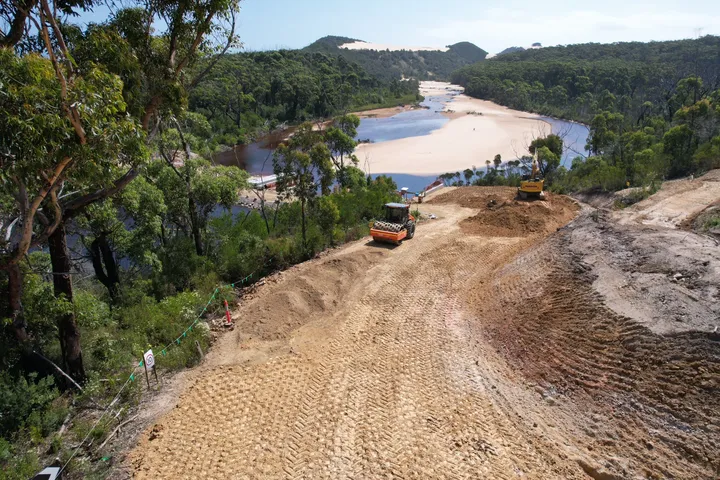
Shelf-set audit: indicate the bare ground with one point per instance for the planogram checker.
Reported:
(482, 348)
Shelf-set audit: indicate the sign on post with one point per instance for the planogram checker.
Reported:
(149, 362)
(149, 359)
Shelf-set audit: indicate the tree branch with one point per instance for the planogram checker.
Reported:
(29, 218)
(17, 26)
(76, 205)
(213, 62)
(202, 30)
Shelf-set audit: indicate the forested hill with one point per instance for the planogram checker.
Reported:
(249, 91)
(421, 65)
(246, 92)
(576, 81)
(653, 108)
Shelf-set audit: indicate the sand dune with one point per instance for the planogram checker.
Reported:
(477, 131)
(359, 45)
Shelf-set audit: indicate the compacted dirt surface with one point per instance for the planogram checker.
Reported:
(486, 347)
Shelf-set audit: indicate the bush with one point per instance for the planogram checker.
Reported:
(27, 402)
(17, 462)
(240, 256)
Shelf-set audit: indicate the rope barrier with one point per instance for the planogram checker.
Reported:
(131, 377)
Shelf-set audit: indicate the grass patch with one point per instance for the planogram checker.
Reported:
(410, 99)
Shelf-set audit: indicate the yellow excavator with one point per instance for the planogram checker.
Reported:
(532, 185)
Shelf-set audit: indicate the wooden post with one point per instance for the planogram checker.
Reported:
(147, 378)
(199, 349)
(155, 373)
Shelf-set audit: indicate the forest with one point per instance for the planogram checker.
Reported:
(653, 109)
(118, 234)
(396, 65)
(246, 93)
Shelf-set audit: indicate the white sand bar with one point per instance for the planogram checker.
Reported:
(360, 45)
(467, 139)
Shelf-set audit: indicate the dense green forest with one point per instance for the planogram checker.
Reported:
(653, 108)
(118, 234)
(389, 65)
(248, 92)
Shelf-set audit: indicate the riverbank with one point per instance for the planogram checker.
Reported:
(387, 111)
(477, 131)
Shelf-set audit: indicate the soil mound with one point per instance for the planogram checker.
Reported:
(301, 293)
(502, 215)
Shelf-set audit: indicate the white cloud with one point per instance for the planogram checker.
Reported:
(501, 28)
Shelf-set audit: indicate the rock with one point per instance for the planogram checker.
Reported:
(597, 472)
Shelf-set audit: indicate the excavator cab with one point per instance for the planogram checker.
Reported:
(398, 224)
(532, 185)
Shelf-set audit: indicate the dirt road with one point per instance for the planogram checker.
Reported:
(476, 350)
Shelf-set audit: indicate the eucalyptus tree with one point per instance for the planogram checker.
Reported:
(340, 139)
(56, 126)
(76, 115)
(303, 166)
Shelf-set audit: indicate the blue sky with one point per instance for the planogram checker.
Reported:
(492, 25)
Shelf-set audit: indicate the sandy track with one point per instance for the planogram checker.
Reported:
(380, 384)
(676, 201)
(456, 355)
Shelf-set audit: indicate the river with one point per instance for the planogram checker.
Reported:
(409, 126)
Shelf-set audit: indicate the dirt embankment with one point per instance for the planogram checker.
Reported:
(501, 214)
(489, 346)
(635, 403)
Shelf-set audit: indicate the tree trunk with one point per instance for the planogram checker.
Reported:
(264, 215)
(194, 223)
(17, 316)
(67, 326)
(302, 216)
(17, 26)
(105, 266)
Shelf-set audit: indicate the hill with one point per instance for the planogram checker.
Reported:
(468, 51)
(510, 50)
(329, 43)
(396, 64)
(577, 81)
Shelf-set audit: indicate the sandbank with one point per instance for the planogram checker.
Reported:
(476, 132)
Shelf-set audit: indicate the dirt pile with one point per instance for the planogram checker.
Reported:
(502, 215)
(302, 292)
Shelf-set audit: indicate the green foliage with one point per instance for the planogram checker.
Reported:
(648, 117)
(595, 172)
(326, 215)
(17, 462)
(39, 143)
(247, 92)
(26, 402)
(711, 223)
(339, 138)
(239, 248)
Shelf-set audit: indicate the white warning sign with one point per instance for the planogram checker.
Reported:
(149, 359)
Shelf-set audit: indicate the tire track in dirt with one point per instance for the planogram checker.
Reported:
(653, 397)
(393, 391)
